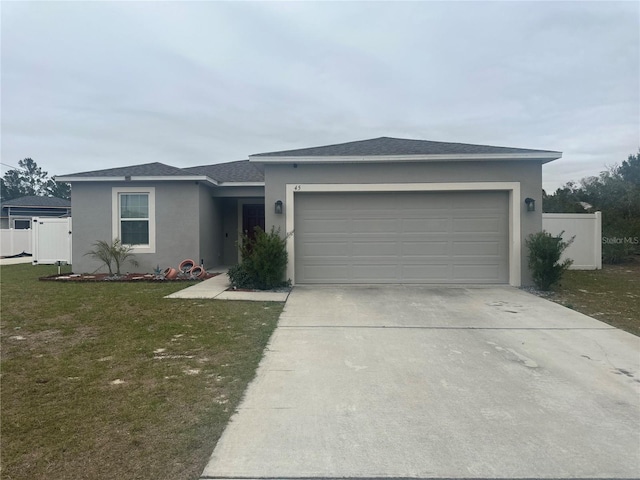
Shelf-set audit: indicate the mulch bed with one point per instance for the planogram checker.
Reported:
(275, 290)
(129, 277)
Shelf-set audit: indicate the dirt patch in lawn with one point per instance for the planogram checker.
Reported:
(611, 295)
(109, 380)
(49, 342)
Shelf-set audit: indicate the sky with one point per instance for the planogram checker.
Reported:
(91, 85)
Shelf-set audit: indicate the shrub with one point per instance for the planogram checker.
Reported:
(620, 241)
(239, 277)
(544, 257)
(614, 253)
(264, 261)
(112, 253)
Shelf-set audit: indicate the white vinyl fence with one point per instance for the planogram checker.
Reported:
(586, 249)
(51, 240)
(14, 242)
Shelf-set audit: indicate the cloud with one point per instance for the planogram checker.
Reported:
(89, 85)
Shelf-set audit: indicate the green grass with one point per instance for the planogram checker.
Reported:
(611, 295)
(111, 380)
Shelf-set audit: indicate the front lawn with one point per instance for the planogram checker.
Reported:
(111, 380)
(611, 295)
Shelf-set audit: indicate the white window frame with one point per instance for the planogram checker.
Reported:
(20, 219)
(115, 215)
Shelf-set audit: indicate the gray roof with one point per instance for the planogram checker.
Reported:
(145, 170)
(37, 201)
(246, 171)
(239, 171)
(398, 146)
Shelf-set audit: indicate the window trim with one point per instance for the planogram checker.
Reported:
(115, 215)
(21, 219)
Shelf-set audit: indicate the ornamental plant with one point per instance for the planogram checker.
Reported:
(264, 261)
(112, 254)
(545, 251)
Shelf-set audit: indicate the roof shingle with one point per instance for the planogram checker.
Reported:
(397, 146)
(238, 171)
(37, 201)
(144, 170)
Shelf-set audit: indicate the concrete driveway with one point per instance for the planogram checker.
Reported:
(423, 382)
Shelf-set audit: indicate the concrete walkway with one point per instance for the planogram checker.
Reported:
(15, 261)
(216, 288)
(426, 382)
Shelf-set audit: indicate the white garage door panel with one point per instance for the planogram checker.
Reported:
(476, 248)
(375, 225)
(328, 248)
(475, 272)
(435, 272)
(424, 247)
(422, 225)
(321, 273)
(326, 226)
(383, 273)
(485, 224)
(403, 237)
(376, 249)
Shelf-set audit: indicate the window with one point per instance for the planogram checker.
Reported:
(134, 217)
(22, 224)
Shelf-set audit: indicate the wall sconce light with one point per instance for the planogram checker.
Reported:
(531, 204)
(278, 209)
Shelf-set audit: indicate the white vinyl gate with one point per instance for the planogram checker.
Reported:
(51, 240)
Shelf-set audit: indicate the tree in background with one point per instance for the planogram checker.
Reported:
(60, 190)
(565, 200)
(630, 169)
(615, 193)
(30, 179)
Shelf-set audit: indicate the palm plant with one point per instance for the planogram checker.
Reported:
(121, 253)
(102, 252)
(112, 253)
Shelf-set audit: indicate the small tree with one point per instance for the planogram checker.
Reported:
(545, 251)
(112, 253)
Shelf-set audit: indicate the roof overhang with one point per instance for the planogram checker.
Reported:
(39, 207)
(241, 184)
(134, 178)
(192, 178)
(544, 157)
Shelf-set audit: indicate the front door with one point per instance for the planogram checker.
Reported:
(252, 217)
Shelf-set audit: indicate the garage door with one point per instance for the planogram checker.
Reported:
(404, 237)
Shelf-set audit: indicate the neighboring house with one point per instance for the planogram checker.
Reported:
(385, 210)
(17, 213)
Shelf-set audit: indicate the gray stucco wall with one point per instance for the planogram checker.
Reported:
(528, 173)
(210, 222)
(248, 191)
(177, 223)
(229, 211)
